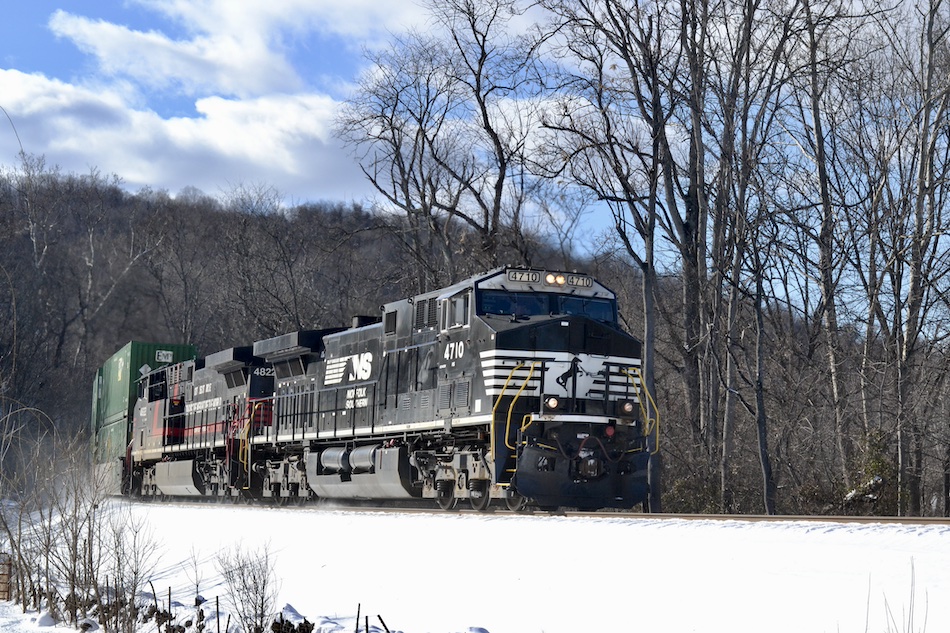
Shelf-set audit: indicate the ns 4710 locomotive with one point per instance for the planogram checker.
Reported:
(517, 384)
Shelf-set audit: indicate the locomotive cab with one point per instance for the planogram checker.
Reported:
(564, 380)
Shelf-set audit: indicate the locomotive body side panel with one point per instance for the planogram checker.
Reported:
(349, 386)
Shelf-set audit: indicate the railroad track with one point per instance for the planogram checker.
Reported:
(789, 518)
(424, 508)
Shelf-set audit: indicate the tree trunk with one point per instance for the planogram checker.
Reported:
(761, 419)
(654, 468)
(826, 248)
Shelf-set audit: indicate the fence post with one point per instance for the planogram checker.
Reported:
(6, 576)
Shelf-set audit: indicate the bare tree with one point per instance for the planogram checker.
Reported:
(916, 243)
(443, 124)
(290, 269)
(79, 252)
(748, 82)
(72, 249)
(821, 63)
(24, 442)
(876, 114)
(184, 272)
(192, 567)
(926, 259)
(609, 135)
(76, 497)
(397, 122)
(129, 552)
(252, 585)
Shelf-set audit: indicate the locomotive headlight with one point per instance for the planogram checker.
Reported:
(551, 403)
(626, 408)
(553, 279)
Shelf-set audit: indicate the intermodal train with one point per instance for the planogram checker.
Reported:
(517, 384)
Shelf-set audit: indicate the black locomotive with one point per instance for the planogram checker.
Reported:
(515, 384)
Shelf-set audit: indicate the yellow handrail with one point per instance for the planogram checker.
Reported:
(494, 409)
(651, 426)
(526, 421)
(244, 452)
(511, 407)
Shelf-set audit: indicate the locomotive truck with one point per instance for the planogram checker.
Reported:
(516, 384)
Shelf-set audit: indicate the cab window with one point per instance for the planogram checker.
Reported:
(455, 311)
(597, 309)
(518, 304)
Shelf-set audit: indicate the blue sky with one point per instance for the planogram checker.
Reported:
(191, 93)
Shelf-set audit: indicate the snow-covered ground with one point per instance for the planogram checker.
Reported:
(447, 573)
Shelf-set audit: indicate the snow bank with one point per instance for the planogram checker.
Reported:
(450, 573)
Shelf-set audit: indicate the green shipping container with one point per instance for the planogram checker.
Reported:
(115, 388)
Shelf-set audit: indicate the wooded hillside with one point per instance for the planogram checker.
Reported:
(767, 182)
(88, 266)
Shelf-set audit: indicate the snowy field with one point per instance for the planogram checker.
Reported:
(466, 573)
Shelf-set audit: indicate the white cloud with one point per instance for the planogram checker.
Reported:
(282, 140)
(231, 63)
(232, 47)
(268, 130)
(256, 118)
(356, 18)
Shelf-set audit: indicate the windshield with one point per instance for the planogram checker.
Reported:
(524, 304)
(514, 303)
(597, 309)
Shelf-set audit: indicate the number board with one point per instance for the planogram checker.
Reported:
(524, 276)
(581, 281)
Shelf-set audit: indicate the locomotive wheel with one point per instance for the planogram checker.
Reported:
(515, 501)
(479, 496)
(445, 494)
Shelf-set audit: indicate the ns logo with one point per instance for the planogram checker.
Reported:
(354, 367)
